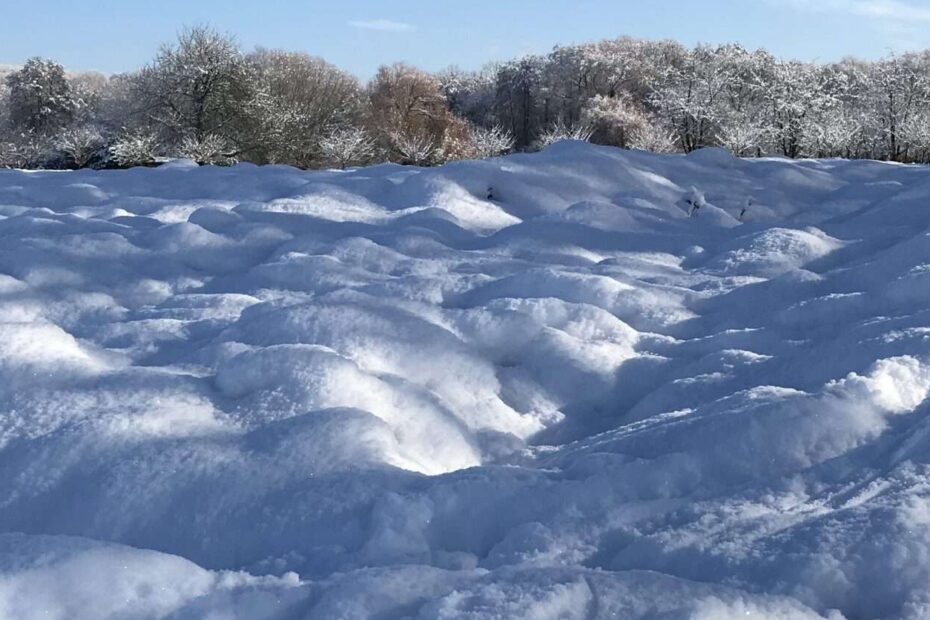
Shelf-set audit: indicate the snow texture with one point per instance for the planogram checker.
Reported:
(264, 393)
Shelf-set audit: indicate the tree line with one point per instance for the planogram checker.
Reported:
(202, 97)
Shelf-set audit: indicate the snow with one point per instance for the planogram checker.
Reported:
(259, 392)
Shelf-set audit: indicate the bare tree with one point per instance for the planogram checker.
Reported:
(409, 117)
(347, 146)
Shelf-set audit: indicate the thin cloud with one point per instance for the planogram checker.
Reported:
(901, 24)
(889, 10)
(384, 25)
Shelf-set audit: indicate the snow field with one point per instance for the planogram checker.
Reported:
(257, 392)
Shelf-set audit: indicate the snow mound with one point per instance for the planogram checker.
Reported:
(773, 251)
(29, 349)
(62, 578)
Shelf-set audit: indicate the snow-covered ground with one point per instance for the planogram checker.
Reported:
(262, 393)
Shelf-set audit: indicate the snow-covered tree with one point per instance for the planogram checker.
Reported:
(797, 91)
(914, 134)
(81, 143)
(135, 148)
(519, 100)
(457, 141)
(414, 148)
(834, 133)
(6, 125)
(200, 86)
(299, 98)
(559, 131)
(693, 96)
(741, 136)
(115, 107)
(346, 146)
(90, 89)
(209, 149)
(470, 94)
(613, 120)
(40, 97)
(276, 106)
(25, 150)
(901, 89)
(490, 142)
(654, 137)
(9, 154)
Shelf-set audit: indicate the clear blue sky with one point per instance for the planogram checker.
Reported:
(358, 35)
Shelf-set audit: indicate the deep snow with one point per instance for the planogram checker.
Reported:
(257, 392)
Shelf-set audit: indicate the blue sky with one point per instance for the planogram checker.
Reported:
(358, 35)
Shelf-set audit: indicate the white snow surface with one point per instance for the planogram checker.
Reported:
(265, 393)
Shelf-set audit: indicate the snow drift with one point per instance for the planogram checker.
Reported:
(258, 392)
